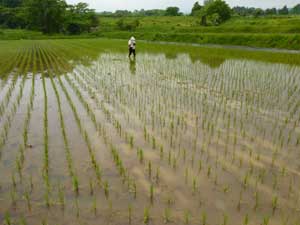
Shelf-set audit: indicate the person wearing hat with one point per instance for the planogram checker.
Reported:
(131, 46)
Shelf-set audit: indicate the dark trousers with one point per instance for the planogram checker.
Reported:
(131, 51)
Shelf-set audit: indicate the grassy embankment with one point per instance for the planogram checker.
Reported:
(276, 32)
(279, 32)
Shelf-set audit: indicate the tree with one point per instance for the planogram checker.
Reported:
(196, 9)
(12, 17)
(11, 3)
(284, 11)
(296, 9)
(272, 11)
(243, 11)
(215, 12)
(46, 15)
(79, 18)
(120, 13)
(172, 11)
(259, 12)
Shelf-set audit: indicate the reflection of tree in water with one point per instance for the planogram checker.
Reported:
(132, 66)
(19, 60)
(171, 55)
(211, 61)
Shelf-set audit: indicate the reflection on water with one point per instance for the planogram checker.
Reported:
(71, 52)
(132, 66)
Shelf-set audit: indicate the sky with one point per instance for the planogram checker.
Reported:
(184, 5)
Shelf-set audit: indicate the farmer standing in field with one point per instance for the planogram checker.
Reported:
(131, 46)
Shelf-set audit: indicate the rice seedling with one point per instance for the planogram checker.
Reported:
(194, 185)
(131, 142)
(134, 190)
(61, 196)
(22, 221)
(161, 152)
(44, 222)
(204, 218)
(106, 189)
(69, 159)
(146, 218)
(167, 215)
(27, 198)
(91, 185)
(153, 143)
(149, 169)
(77, 208)
(266, 220)
(208, 171)
(187, 217)
(274, 204)
(151, 193)
(141, 156)
(130, 213)
(94, 206)
(225, 219)
(157, 175)
(7, 219)
(186, 175)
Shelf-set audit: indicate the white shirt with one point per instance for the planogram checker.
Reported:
(131, 44)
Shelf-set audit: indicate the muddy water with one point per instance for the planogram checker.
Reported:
(176, 140)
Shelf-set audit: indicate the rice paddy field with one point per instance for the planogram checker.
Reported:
(181, 135)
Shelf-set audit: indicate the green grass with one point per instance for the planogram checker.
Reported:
(268, 32)
(187, 24)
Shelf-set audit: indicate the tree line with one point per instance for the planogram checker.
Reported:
(48, 16)
(169, 11)
(256, 12)
(56, 16)
(217, 11)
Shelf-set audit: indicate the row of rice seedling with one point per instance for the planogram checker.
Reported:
(69, 160)
(149, 164)
(45, 170)
(102, 132)
(24, 145)
(114, 151)
(9, 65)
(84, 133)
(8, 122)
(14, 106)
(140, 152)
(20, 158)
(116, 156)
(8, 95)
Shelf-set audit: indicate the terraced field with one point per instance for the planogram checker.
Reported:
(181, 135)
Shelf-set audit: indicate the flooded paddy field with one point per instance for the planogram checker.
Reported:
(181, 135)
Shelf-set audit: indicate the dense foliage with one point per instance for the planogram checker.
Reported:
(172, 11)
(245, 11)
(169, 11)
(48, 16)
(56, 16)
(214, 12)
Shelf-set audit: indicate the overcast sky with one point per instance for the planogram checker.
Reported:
(184, 5)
